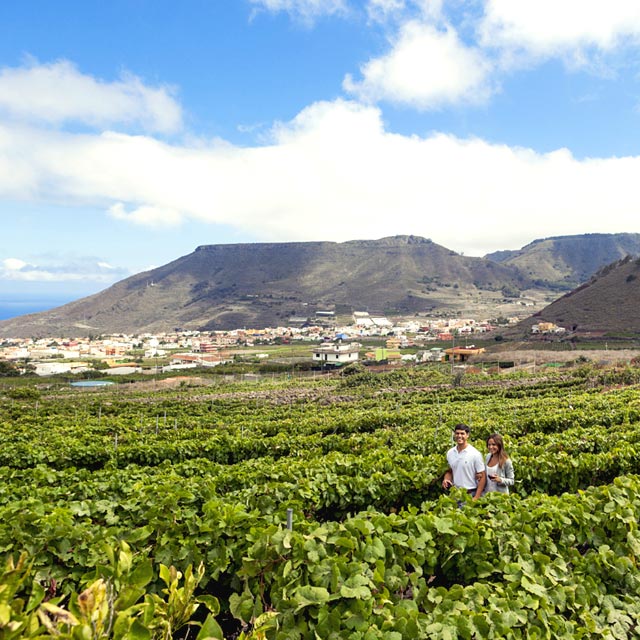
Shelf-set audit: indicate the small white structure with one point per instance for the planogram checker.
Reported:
(51, 368)
(382, 323)
(123, 370)
(337, 353)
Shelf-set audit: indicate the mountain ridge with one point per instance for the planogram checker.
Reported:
(227, 286)
(604, 307)
(568, 261)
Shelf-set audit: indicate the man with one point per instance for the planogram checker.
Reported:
(466, 466)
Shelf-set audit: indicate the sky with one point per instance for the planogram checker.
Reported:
(133, 131)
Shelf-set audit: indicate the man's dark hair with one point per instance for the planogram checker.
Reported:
(462, 427)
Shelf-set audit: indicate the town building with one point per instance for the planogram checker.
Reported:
(337, 353)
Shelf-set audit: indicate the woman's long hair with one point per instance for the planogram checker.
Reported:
(502, 454)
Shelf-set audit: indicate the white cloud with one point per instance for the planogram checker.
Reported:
(381, 10)
(58, 93)
(447, 52)
(426, 68)
(149, 216)
(250, 128)
(574, 30)
(334, 172)
(83, 269)
(14, 264)
(307, 10)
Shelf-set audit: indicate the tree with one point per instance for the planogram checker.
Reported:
(8, 369)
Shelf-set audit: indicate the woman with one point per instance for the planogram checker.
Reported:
(498, 465)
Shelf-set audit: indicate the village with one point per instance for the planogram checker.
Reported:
(328, 344)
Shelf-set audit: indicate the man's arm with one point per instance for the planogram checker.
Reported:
(482, 481)
(447, 481)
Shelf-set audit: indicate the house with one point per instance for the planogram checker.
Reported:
(432, 355)
(196, 359)
(462, 354)
(380, 354)
(547, 327)
(361, 319)
(393, 343)
(394, 357)
(382, 323)
(51, 368)
(337, 353)
(205, 347)
(56, 368)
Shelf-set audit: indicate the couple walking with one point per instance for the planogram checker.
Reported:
(468, 471)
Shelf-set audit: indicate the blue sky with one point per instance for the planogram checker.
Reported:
(132, 131)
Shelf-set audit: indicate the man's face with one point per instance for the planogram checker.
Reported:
(460, 436)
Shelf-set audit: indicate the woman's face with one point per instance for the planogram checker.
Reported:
(492, 446)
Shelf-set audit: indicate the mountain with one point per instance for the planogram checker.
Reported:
(564, 262)
(266, 284)
(605, 306)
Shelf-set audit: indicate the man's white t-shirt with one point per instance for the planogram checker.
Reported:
(465, 465)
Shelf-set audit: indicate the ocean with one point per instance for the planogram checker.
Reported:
(13, 306)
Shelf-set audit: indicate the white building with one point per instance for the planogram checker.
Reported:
(51, 368)
(55, 368)
(338, 353)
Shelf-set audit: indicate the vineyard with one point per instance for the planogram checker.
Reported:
(312, 509)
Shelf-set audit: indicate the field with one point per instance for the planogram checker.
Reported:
(312, 508)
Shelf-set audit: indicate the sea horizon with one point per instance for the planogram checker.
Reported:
(13, 306)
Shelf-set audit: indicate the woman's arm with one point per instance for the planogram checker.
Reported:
(507, 477)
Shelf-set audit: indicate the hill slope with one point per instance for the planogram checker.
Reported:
(565, 262)
(265, 284)
(606, 306)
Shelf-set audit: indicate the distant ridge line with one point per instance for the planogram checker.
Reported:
(256, 285)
